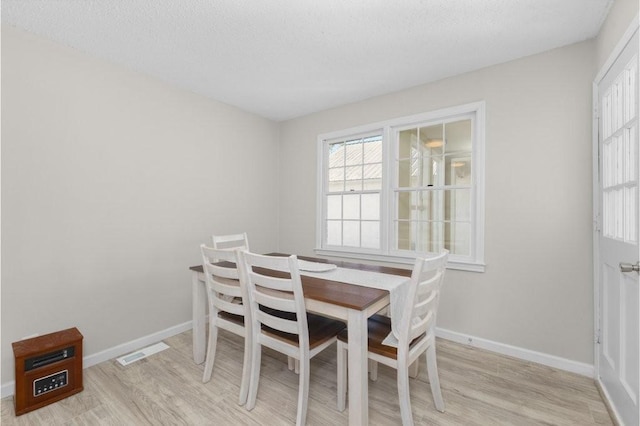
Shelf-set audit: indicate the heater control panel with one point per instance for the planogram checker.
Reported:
(50, 383)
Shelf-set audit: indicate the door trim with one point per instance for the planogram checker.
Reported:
(617, 50)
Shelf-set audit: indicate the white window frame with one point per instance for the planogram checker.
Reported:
(475, 261)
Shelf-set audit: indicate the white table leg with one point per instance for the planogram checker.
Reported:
(357, 360)
(198, 308)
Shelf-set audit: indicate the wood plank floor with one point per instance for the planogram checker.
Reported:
(479, 388)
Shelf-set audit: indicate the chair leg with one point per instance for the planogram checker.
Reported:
(303, 391)
(211, 352)
(293, 364)
(434, 380)
(342, 375)
(403, 393)
(256, 358)
(373, 370)
(414, 369)
(246, 371)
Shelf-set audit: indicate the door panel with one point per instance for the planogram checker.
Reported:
(618, 358)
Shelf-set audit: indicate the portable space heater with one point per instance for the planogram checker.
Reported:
(48, 369)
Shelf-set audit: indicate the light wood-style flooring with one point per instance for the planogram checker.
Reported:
(479, 388)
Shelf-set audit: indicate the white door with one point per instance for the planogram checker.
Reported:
(618, 362)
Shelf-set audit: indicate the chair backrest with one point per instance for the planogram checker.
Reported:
(282, 293)
(233, 241)
(423, 297)
(222, 280)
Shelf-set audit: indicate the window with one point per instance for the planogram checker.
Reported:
(411, 186)
(353, 192)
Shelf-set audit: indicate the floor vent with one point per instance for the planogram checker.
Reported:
(142, 353)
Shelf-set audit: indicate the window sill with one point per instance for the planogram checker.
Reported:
(396, 260)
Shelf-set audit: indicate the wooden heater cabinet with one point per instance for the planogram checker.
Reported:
(48, 369)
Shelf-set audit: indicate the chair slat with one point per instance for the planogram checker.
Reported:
(226, 288)
(231, 241)
(274, 302)
(421, 326)
(423, 307)
(228, 306)
(273, 283)
(278, 323)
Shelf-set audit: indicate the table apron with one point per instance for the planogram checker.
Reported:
(342, 312)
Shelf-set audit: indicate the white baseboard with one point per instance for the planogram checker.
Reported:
(517, 352)
(583, 369)
(8, 389)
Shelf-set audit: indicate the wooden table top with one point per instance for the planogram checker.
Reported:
(338, 293)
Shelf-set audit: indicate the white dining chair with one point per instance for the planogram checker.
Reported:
(227, 309)
(231, 241)
(415, 336)
(293, 332)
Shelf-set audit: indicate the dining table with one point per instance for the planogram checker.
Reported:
(351, 303)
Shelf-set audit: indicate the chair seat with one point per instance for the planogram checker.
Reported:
(379, 327)
(321, 329)
(239, 319)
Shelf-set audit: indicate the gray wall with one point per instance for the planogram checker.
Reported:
(110, 181)
(618, 20)
(537, 290)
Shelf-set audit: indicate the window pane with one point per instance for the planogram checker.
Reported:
(334, 207)
(429, 237)
(336, 155)
(630, 153)
(351, 233)
(334, 232)
(373, 150)
(429, 205)
(432, 140)
(457, 205)
(353, 181)
(370, 207)
(353, 154)
(408, 144)
(430, 171)
(351, 207)
(458, 238)
(420, 236)
(458, 171)
(336, 179)
(630, 214)
(404, 205)
(371, 234)
(372, 176)
(458, 137)
(425, 171)
(404, 173)
(403, 231)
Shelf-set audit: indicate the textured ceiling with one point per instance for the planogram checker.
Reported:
(287, 58)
